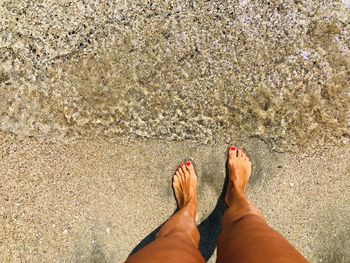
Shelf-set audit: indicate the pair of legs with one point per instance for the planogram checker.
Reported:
(245, 235)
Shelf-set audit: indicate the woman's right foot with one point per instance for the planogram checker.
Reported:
(185, 188)
(240, 169)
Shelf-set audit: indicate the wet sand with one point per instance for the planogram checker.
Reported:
(185, 70)
(95, 200)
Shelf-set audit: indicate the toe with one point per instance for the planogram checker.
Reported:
(190, 168)
(240, 153)
(179, 177)
(181, 170)
(232, 152)
(177, 190)
(244, 154)
(176, 181)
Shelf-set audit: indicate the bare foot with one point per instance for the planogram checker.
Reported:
(240, 169)
(185, 186)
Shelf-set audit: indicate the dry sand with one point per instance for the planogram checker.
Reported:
(95, 200)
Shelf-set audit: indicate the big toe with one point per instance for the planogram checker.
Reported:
(232, 153)
(190, 168)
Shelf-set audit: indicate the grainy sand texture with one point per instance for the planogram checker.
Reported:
(95, 200)
(101, 100)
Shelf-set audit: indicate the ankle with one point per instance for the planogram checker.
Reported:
(237, 193)
(190, 208)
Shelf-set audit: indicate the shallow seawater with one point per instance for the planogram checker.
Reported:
(204, 72)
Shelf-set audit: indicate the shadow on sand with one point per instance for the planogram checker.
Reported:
(209, 228)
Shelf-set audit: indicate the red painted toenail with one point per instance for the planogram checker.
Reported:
(233, 148)
(188, 163)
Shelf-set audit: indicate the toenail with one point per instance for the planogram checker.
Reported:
(188, 163)
(233, 148)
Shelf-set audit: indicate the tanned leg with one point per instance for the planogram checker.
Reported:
(245, 235)
(178, 239)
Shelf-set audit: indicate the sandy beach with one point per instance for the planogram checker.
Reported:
(95, 201)
(101, 100)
